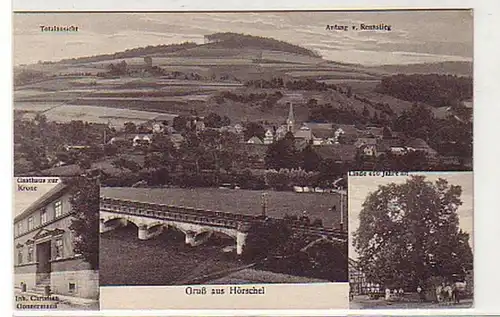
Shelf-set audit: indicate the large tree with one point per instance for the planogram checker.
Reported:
(409, 233)
(84, 201)
(265, 238)
(282, 154)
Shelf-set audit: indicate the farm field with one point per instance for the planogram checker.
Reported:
(329, 75)
(397, 105)
(35, 106)
(97, 114)
(316, 205)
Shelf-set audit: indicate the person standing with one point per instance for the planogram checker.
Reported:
(419, 291)
(387, 293)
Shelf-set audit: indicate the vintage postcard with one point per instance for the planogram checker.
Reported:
(222, 141)
(56, 243)
(410, 240)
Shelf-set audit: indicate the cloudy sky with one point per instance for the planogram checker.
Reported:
(416, 36)
(361, 186)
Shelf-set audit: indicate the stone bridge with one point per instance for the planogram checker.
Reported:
(196, 224)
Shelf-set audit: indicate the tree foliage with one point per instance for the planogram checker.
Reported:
(409, 233)
(282, 154)
(435, 90)
(254, 129)
(84, 193)
(265, 238)
(237, 40)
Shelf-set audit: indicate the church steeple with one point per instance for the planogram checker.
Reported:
(290, 122)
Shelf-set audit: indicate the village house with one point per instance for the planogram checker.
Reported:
(367, 146)
(44, 251)
(268, 137)
(339, 153)
(418, 144)
(255, 140)
(132, 139)
(345, 133)
(256, 154)
(237, 130)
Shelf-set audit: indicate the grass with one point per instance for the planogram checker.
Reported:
(240, 201)
(163, 260)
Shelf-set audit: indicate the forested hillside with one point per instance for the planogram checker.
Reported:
(432, 89)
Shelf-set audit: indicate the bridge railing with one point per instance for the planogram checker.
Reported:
(197, 215)
(173, 212)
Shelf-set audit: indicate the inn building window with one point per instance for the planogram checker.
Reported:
(43, 216)
(20, 257)
(59, 249)
(30, 254)
(58, 208)
(30, 223)
(20, 227)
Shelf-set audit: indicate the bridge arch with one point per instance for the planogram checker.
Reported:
(195, 233)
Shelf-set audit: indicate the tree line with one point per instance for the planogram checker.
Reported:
(432, 89)
(237, 40)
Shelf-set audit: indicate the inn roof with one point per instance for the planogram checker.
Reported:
(45, 199)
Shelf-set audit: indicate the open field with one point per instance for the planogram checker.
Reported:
(329, 75)
(96, 114)
(35, 106)
(239, 201)
(397, 105)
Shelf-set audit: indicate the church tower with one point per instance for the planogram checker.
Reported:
(291, 120)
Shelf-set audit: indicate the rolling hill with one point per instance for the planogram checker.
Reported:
(187, 77)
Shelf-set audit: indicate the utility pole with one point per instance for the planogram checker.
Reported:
(341, 211)
(264, 204)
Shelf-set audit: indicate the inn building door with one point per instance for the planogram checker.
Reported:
(43, 256)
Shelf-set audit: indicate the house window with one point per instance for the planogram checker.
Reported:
(20, 227)
(71, 287)
(20, 257)
(58, 208)
(59, 249)
(30, 223)
(30, 254)
(43, 216)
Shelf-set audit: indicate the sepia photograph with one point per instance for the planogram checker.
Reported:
(222, 141)
(411, 240)
(56, 243)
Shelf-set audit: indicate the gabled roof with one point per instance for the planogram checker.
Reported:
(254, 140)
(290, 114)
(322, 133)
(300, 144)
(387, 144)
(45, 199)
(337, 152)
(42, 233)
(376, 131)
(366, 141)
(318, 125)
(348, 129)
(417, 143)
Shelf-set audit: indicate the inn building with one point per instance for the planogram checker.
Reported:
(44, 250)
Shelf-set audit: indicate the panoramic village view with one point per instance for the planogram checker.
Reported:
(225, 154)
